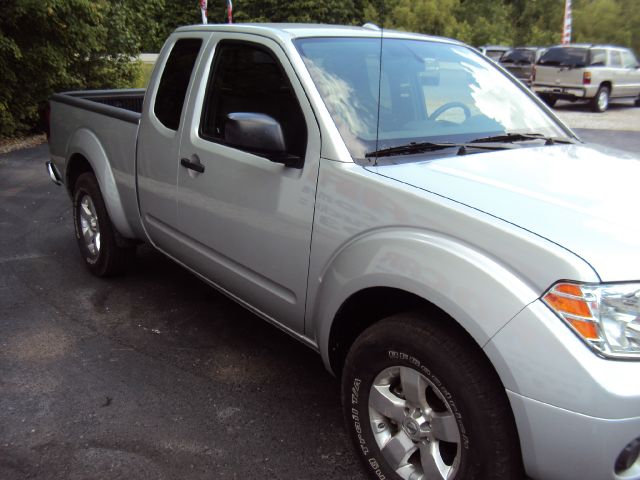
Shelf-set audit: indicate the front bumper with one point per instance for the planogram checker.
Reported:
(575, 411)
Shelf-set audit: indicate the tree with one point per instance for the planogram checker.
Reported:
(53, 45)
(602, 21)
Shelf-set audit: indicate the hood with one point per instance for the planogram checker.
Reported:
(585, 199)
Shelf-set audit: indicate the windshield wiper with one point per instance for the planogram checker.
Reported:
(415, 147)
(521, 137)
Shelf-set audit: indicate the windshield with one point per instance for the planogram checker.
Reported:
(519, 56)
(425, 92)
(565, 57)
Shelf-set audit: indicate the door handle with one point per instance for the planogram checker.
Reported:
(198, 167)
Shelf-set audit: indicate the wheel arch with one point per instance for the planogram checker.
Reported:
(393, 271)
(367, 307)
(608, 84)
(86, 154)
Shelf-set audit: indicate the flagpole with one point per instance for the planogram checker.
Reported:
(203, 10)
(566, 25)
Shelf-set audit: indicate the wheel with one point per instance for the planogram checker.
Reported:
(448, 106)
(420, 402)
(97, 238)
(637, 102)
(549, 100)
(600, 102)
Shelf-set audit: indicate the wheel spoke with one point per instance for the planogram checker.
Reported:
(432, 465)
(445, 427)
(413, 387)
(87, 234)
(86, 209)
(398, 450)
(386, 403)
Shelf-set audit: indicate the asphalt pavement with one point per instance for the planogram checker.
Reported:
(151, 375)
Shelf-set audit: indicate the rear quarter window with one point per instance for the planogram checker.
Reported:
(565, 57)
(175, 81)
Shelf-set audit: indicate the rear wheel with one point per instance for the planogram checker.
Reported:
(421, 402)
(549, 100)
(600, 102)
(96, 236)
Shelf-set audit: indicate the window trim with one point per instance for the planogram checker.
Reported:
(215, 64)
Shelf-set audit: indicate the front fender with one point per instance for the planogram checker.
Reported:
(479, 292)
(84, 142)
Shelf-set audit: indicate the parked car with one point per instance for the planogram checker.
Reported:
(451, 249)
(520, 62)
(596, 73)
(494, 52)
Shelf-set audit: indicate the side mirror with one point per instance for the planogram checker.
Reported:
(259, 134)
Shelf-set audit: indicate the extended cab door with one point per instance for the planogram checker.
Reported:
(158, 155)
(246, 220)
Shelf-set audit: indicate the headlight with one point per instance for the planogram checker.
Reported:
(605, 316)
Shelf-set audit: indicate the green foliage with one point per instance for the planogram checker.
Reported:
(53, 45)
(601, 21)
(435, 17)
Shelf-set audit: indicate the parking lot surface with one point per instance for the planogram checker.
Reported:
(621, 116)
(153, 375)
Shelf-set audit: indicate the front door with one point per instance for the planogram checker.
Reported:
(247, 221)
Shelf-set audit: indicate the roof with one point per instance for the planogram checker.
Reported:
(290, 31)
(588, 45)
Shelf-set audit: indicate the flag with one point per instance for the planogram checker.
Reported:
(566, 27)
(229, 12)
(203, 9)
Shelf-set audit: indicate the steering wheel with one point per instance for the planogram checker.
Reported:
(448, 106)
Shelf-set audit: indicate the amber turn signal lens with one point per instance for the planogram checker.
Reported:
(572, 306)
(587, 329)
(568, 288)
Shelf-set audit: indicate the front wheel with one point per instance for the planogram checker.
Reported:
(420, 402)
(96, 236)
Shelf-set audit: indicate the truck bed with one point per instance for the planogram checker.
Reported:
(101, 126)
(123, 104)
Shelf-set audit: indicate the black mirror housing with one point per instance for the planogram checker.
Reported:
(260, 134)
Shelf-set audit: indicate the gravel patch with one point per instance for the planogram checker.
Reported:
(621, 116)
(10, 144)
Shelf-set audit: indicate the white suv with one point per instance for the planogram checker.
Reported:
(587, 72)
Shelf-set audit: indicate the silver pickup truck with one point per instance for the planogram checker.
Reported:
(455, 254)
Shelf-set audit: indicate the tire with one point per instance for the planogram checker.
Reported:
(96, 236)
(549, 100)
(600, 102)
(637, 102)
(463, 428)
